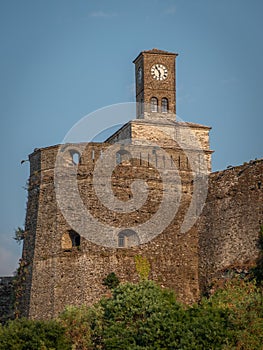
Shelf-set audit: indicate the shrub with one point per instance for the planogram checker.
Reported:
(24, 334)
(143, 267)
(111, 281)
(243, 301)
(82, 324)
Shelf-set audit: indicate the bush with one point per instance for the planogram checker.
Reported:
(23, 334)
(145, 316)
(82, 324)
(244, 302)
(111, 281)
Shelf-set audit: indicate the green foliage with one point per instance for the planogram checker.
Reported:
(244, 303)
(25, 334)
(257, 272)
(111, 281)
(137, 315)
(19, 235)
(145, 316)
(82, 325)
(143, 267)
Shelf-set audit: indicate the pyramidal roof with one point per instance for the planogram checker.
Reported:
(155, 51)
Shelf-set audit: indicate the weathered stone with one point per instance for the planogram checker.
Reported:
(61, 266)
(6, 298)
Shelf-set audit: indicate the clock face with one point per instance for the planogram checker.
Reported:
(159, 71)
(139, 75)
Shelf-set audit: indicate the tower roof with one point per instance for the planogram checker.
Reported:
(155, 51)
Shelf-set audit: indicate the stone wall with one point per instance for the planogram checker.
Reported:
(6, 298)
(58, 274)
(230, 222)
(185, 137)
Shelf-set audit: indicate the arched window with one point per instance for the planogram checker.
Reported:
(154, 104)
(127, 238)
(164, 105)
(75, 156)
(123, 156)
(122, 240)
(70, 239)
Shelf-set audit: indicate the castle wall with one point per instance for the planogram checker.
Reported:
(6, 298)
(59, 276)
(67, 252)
(231, 220)
(190, 140)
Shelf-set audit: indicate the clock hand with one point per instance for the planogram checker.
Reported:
(158, 70)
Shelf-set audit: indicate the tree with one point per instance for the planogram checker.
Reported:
(243, 301)
(23, 334)
(145, 316)
(82, 325)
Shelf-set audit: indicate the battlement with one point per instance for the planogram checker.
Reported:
(85, 155)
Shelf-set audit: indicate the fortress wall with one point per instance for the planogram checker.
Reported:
(231, 220)
(58, 276)
(6, 298)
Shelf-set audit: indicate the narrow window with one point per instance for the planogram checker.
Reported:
(123, 156)
(127, 238)
(75, 157)
(164, 105)
(154, 104)
(118, 158)
(121, 240)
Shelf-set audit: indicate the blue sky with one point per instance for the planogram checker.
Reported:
(63, 59)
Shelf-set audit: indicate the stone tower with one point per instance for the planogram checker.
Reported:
(66, 254)
(155, 83)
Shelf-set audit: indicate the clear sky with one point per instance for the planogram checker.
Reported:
(63, 59)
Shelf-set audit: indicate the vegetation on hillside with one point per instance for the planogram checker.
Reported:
(144, 316)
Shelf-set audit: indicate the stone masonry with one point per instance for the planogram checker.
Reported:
(6, 299)
(62, 266)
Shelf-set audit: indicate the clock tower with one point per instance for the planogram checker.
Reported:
(155, 84)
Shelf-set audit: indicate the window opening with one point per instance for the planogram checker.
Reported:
(164, 105)
(154, 104)
(127, 238)
(123, 156)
